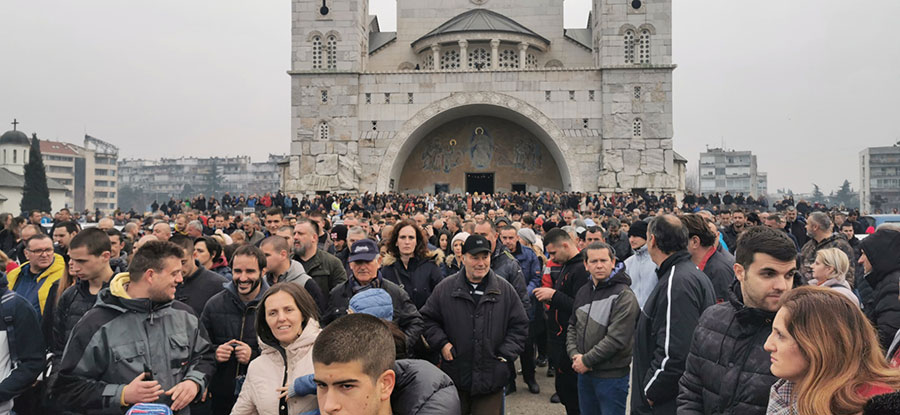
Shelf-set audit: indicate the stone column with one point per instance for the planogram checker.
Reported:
(495, 54)
(523, 54)
(463, 55)
(436, 53)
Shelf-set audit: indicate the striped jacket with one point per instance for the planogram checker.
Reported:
(664, 332)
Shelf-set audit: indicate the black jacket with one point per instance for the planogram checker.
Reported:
(406, 315)
(74, 302)
(481, 333)
(720, 270)
(418, 278)
(423, 389)
(505, 264)
(727, 370)
(730, 235)
(664, 331)
(29, 346)
(572, 276)
(198, 288)
(226, 317)
(883, 308)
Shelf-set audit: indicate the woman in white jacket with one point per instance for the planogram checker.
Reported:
(287, 325)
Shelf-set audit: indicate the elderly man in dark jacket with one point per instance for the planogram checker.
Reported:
(670, 315)
(882, 266)
(821, 236)
(364, 263)
(727, 370)
(477, 321)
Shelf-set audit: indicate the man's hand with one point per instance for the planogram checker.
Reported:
(223, 352)
(578, 366)
(445, 352)
(243, 352)
(183, 394)
(544, 294)
(141, 391)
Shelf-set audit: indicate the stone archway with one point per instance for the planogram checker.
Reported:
(466, 104)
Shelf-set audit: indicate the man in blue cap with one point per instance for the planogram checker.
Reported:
(365, 262)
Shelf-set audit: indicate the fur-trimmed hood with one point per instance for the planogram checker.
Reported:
(436, 256)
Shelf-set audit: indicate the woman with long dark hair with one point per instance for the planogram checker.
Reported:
(410, 264)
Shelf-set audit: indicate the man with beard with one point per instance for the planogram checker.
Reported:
(281, 268)
(727, 370)
(230, 320)
(821, 236)
(731, 232)
(795, 225)
(324, 268)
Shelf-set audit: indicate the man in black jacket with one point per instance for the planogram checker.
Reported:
(733, 231)
(477, 321)
(199, 284)
(717, 264)
(561, 299)
(669, 317)
(22, 357)
(364, 263)
(230, 320)
(727, 370)
(882, 267)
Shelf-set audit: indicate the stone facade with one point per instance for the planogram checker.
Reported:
(597, 100)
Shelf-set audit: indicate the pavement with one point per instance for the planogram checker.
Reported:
(524, 402)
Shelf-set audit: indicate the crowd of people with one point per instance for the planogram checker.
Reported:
(390, 303)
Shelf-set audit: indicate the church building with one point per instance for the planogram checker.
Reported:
(482, 96)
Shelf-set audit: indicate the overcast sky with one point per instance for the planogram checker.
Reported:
(805, 85)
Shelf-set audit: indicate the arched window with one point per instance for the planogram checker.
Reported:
(324, 131)
(479, 58)
(629, 46)
(450, 59)
(428, 62)
(531, 61)
(645, 46)
(638, 128)
(509, 59)
(14, 157)
(317, 52)
(332, 52)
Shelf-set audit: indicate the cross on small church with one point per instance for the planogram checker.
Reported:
(15, 123)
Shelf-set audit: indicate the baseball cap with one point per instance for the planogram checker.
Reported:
(476, 244)
(363, 250)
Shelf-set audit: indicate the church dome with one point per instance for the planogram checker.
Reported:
(14, 137)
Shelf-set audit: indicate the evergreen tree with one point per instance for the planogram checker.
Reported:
(36, 195)
(817, 195)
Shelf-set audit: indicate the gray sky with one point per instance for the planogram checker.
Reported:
(805, 85)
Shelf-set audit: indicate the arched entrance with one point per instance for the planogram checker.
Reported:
(426, 124)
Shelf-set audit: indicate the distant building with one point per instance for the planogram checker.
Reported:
(144, 181)
(879, 173)
(14, 149)
(88, 172)
(732, 171)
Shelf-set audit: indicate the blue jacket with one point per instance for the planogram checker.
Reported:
(531, 267)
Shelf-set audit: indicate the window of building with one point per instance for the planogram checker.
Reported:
(591, 95)
(332, 52)
(368, 98)
(324, 96)
(547, 96)
(374, 125)
(15, 159)
(479, 58)
(450, 59)
(571, 95)
(629, 46)
(531, 61)
(509, 59)
(324, 131)
(638, 127)
(428, 63)
(410, 98)
(637, 92)
(584, 123)
(387, 98)
(317, 52)
(645, 46)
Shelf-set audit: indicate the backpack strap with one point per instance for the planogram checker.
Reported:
(6, 311)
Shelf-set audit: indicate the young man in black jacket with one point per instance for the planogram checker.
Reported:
(561, 299)
(727, 369)
(669, 317)
(200, 284)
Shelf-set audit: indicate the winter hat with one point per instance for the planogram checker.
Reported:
(462, 236)
(339, 232)
(527, 235)
(639, 229)
(374, 302)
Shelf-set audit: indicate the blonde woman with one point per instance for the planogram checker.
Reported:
(830, 269)
(826, 354)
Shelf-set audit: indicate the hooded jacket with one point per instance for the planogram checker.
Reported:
(226, 317)
(481, 332)
(664, 330)
(451, 265)
(504, 264)
(297, 274)
(727, 370)
(602, 326)
(642, 271)
(44, 281)
(418, 278)
(199, 287)
(531, 267)
(275, 367)
(17, 377)
(121, 335)
(423, 389)
(883, 308)
(811, 247)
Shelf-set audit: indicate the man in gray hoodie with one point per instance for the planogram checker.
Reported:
(281, 268)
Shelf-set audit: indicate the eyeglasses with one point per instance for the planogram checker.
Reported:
(41, 251)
